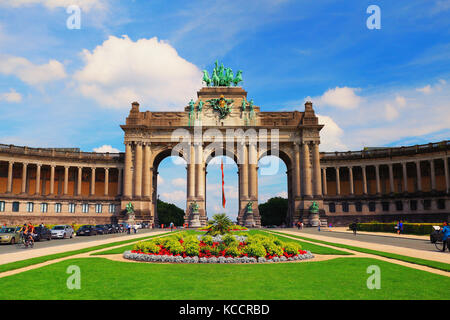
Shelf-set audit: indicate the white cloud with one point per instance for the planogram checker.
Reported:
(176, 195)
(147, 70)
(390, 112)
(282, 194)
(160, 179)
(401, 101)
(106, 148)
(427, 89)
(330, 135)
(343, 98)
(180, 182)
(85, 5)
(11, 96)
(31, 73)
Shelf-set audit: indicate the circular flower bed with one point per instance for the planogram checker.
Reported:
(183, 248)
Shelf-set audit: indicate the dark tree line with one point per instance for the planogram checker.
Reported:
(168, 212)
(274, 211)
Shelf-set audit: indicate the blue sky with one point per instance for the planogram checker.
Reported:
(73, 88)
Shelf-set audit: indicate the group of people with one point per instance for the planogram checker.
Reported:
(27, 231)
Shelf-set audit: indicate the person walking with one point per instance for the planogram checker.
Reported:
(446, 237)
(128, 228)
(318, 226)
(171, 226)
(353, 227)
(400, 227)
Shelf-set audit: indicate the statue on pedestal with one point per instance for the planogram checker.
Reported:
(130, 212)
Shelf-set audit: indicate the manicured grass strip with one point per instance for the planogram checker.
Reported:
(428, 263)
(340, 278)
(29, 262)
(308, 246)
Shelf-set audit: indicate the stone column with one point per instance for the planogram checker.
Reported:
(338, 182)
(306, 168)
(38, 179)
(92, 181)
(199, 171)
(296, 171)
(138, 170)
(447, 182)
(253, 172)
(245, 173)
(79, 180)
(419, 176)
(106, 181)
(66, 180)
(191, 172)
(10, 177)
(363, 170)
(377, 175)
(324, 179)
(146, 174)
(24, 177)
(391, 178)
(350, 174)
(405, 177)
(432, 175)
(119, 181)
(128, 173)
(52, 179)
(316, 170)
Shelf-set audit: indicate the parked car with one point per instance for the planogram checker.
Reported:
(41, 233)
(62, 231)
(101, 229)
(9, 235)
(87, 230)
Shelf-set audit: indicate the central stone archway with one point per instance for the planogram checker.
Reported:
(223, 121)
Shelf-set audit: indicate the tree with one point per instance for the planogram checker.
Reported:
(168, 212)
(220, 224)
(274, 211)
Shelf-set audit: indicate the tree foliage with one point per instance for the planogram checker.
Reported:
(274, 211)
(220, 224)
(168, 212)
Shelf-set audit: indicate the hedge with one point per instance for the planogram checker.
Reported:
(408, 228)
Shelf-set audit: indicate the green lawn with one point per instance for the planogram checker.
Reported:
(429, 263)
(340, 278)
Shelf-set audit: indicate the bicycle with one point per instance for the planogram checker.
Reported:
(25, 241)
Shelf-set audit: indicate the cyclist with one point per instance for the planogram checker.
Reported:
(30, 233)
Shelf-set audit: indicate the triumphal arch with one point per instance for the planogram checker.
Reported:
(223, 121)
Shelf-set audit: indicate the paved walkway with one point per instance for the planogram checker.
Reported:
(411, 252)
(39, 252)
(381, 234)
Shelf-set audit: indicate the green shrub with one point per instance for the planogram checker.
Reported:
(229, 240)
(272, 248)
(191, 249)
(233, 251)
(208, 240)
(215, 251)
(147, 247)
(292, 248)
(408, 228)
(191, 240)
(255, 250)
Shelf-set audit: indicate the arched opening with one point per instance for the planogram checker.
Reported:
(169, 188)
(275, 195)
(214, 186)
